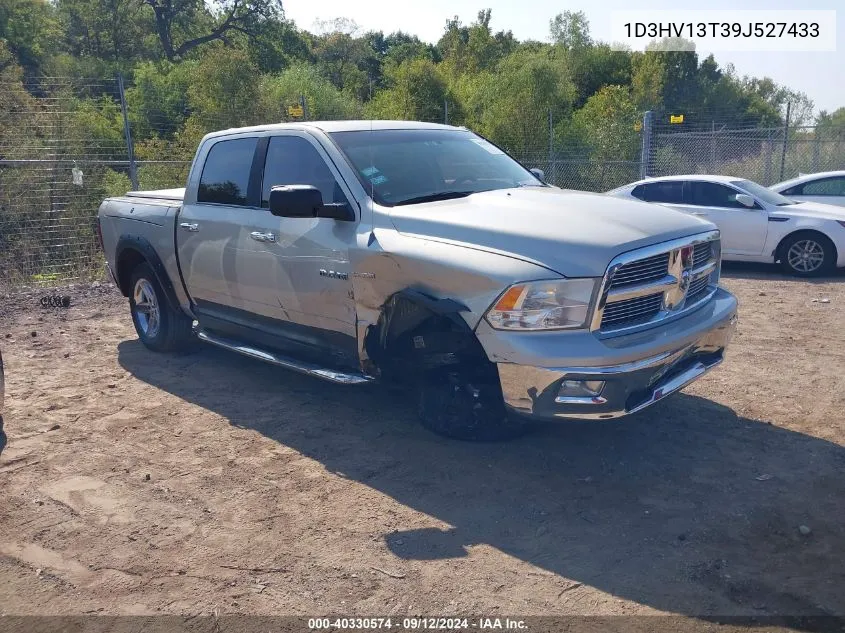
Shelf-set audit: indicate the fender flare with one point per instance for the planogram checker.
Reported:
(143, 247)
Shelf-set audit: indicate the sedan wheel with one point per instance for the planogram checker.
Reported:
(807, 255)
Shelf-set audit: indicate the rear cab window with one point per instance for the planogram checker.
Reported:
(226, 172)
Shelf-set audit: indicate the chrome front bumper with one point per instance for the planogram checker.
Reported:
(629, 386)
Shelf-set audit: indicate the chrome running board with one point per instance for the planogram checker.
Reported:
(283, 361)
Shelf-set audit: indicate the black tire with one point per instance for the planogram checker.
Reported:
(813, 242)
(461, 406)
(170, 330)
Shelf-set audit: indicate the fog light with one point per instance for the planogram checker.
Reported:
(579, 389)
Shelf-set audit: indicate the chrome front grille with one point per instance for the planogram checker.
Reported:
(631, 310)
(701, 254)
(645, 286)
(641, 271)
(697, 287)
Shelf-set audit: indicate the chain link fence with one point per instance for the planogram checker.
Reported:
(765, 155)
(53, 172)
(66, 144)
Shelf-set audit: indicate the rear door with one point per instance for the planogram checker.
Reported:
(299, 279)
(827, 190)
(211, 228)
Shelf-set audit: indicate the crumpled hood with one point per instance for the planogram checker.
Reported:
(573, 233)
(816, 210)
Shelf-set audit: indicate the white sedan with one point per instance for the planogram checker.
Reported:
(827, 187)
(757, 224)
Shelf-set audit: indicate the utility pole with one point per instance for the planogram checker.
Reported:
(785, 140)
(645, 156)
(130, 147)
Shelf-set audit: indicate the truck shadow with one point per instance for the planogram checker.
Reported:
(750, 270)
(686, 508)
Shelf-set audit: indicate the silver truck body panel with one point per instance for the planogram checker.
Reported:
(573, 233)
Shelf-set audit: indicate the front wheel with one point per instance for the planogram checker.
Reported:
(159, 326)
(807, 255)
(464, 406)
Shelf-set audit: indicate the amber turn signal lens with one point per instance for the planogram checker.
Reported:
(510, 299)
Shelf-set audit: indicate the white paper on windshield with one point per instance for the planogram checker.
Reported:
(488, 146)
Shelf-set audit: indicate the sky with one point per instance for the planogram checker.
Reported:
(820, 75)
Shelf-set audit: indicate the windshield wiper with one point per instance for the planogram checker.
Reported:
(433, 197)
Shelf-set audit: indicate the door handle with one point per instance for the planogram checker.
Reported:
(258, 236)
(700, 213)
(190, 226)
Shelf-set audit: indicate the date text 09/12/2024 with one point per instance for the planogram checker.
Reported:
(417, 624)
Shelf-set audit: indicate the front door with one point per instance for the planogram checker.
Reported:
(743, 229)
(299, 277)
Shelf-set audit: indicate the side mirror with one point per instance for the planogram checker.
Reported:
(306, 201)
(745, 200)
(538, 173)
(295, 201)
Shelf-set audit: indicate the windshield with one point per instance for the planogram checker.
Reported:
(762, 193)
(412, 166)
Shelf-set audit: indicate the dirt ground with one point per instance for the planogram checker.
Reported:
(136, 483)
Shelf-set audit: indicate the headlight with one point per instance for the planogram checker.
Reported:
(544, 305)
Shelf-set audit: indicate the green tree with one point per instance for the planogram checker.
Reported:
(647, 80)
(595, 66)
(417, 92)
(571, 30)
(322, 98)
(276, 44)
(184, 25)
(116, 30)
(606, 124)
(30, 31)
(342, 55)
(512, 105)
(158, 100)
(473, 48)
(834, 120)
(605, 129)
(224, 88)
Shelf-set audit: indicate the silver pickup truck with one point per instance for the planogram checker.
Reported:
(422, 255)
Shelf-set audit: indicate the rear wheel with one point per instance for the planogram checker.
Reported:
(159, 326)
(807, 254)
(466, 405)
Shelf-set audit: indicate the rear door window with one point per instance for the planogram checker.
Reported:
(225, 175)
(825, 187)
(666, 191)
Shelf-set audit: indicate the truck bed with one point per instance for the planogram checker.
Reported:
(158, 194)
